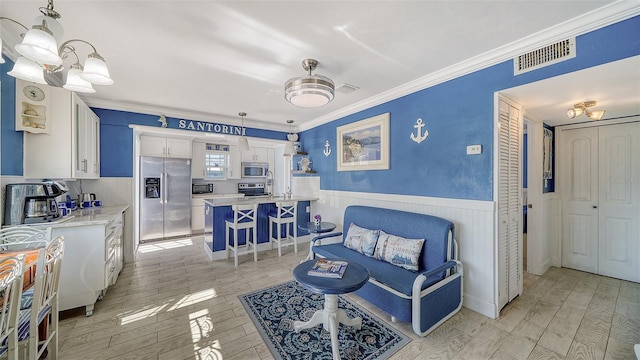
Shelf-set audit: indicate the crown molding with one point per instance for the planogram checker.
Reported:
(590, 21)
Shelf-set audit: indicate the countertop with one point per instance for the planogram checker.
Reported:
(83, 217)
(254, 200)
(216, 196)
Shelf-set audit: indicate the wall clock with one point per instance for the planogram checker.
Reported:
(33, 93)
(33, 107)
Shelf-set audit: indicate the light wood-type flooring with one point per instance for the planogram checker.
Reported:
(173, 303)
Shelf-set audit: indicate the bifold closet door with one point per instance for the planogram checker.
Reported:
(619, 205)
(580, 199)
(601, 200)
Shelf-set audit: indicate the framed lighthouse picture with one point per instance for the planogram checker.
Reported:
(364, 144)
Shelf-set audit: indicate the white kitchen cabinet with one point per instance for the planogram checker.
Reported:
(93, 259)
(197, 214)
(198, 156)
(234, 164)
(72, 149)
(165, 147)
(256, 154)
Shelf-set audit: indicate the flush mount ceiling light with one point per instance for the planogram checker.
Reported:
(311, 90)
(582, 108)
(243, 144)
(40, 52)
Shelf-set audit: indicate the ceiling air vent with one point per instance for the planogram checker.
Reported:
(346, 88)
(544, 56)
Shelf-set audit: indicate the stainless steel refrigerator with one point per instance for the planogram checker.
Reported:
(165, 198)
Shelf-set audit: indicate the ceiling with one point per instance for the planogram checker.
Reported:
(209, 60)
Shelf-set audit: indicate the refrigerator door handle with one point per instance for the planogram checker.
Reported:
(166, 187)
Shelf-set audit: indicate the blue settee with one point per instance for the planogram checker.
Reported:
(426, 297)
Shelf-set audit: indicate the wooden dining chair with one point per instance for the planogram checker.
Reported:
(44, 305)
(23, 237)
(11, 270)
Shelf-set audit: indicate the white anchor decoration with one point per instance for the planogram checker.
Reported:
(327, 150)
(419, 138)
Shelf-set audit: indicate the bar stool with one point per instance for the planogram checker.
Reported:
(244, 217)
(285, 214)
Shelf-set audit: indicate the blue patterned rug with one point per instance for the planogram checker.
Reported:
(275, 309)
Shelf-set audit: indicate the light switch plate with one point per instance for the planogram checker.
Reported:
(474, 149)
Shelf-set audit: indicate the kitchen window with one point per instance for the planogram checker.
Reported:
(215, 165)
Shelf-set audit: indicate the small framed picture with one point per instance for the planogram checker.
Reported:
(364, 144)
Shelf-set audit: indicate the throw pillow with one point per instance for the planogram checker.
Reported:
(399, 251)
(361, 240)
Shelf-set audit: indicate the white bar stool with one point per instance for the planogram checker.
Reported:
(244, 217)
(285, 214)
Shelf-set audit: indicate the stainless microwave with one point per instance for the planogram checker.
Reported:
(254, 170)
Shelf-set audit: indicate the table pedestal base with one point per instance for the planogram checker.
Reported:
(330, 317)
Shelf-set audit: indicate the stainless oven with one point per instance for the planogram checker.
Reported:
(254, 170)
(251, 189)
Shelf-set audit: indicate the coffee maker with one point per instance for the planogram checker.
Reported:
(32, 203)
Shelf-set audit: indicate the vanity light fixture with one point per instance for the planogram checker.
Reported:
(40, 52)
(310, 90)
(243, 144)
(582, 108)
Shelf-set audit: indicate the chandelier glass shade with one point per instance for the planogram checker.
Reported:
(28, 70)
(310, 90)
(40, 52)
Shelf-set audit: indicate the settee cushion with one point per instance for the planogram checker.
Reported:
(361, 240)
(393, 276)
(399, 251)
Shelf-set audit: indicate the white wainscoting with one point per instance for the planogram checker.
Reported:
(474, 231)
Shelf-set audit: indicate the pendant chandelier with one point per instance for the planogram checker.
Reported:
(310, 90)
(41, 53)
(243, 144)
(292, 137)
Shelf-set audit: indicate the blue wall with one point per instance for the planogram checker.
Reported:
(11, 140)
(116, 138)
(457, 113)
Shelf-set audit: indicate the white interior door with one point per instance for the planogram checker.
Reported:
(619, 201)
(601, 200)
(580, 199)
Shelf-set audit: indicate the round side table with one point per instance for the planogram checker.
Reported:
(353, 279)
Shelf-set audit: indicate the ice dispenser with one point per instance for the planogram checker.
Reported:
(151, 188)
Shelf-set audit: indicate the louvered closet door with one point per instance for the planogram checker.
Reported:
(509, 203)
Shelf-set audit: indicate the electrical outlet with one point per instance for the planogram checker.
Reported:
(474, 149)
(308, 209)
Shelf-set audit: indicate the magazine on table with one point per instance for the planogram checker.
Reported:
(329, 268)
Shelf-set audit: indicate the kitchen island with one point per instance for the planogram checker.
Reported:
(216, 209)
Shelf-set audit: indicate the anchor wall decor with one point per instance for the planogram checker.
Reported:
(419, 137)
(327, 148)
